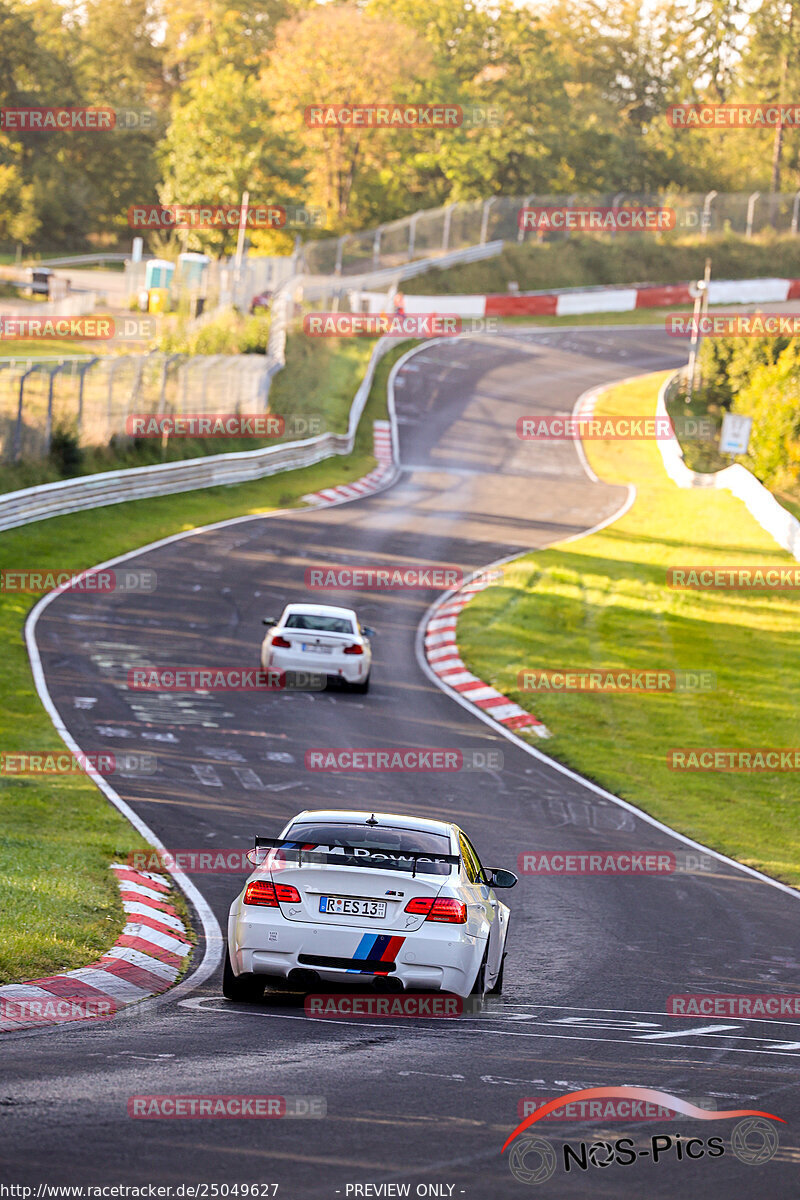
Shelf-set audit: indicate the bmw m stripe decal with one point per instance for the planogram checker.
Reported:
(381, 946)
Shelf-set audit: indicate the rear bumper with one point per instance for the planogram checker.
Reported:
(436, 957)
(353, 668)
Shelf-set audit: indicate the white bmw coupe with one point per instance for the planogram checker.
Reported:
(343, 897)
(322, 639)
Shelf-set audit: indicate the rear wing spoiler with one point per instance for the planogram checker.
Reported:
(293, 849)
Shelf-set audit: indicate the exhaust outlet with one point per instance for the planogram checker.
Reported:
(388, 983)
(303, 980)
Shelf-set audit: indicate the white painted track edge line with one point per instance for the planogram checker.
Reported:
(212, 933)
(211, 929)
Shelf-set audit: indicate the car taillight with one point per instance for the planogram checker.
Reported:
(267, 895)
(261, 892)
(281, 643)
(356, 649)
(453, 912)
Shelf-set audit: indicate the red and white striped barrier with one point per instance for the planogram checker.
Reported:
(441, 651)
(573, 302)
(374, 482)
(145, 960)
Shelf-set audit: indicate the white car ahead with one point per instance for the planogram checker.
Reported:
(321, 639)
(344, 897)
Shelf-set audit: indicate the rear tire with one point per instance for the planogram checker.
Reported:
(246, 988)
(361, 687)
(479, 986)
(497, 989)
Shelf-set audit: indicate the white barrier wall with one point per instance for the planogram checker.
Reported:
(460, 306)
(577, 303)
(574, 302)
(748, 291)
(760, 502)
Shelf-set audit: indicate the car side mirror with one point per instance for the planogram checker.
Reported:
(269, 621)
(257, 855)
(365, 629)
(501, 879)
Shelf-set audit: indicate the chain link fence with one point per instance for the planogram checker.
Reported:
(93, 397)
(439, 231)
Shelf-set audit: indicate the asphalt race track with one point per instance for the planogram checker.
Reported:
(592, 960)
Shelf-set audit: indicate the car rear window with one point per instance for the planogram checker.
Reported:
(377, 838)
(318, 623)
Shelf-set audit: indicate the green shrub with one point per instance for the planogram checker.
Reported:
(66, 453)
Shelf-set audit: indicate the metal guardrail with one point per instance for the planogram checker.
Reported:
(319, 287)
(77, 304)
(324, 288)
(114, 487)
(137, 483)
(75, 260)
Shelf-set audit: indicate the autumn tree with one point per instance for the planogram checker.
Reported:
(340, 55)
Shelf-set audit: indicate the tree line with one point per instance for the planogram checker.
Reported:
(578, 92)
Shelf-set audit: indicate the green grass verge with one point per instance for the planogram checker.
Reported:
(593, 261)
(44, 348)
(790, 502)
(59, 902)
(639, 316)
(602, 601)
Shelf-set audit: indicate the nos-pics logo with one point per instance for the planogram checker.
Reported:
(533, 1159)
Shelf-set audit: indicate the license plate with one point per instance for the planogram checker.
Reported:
(352, 908)
(316, 649)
